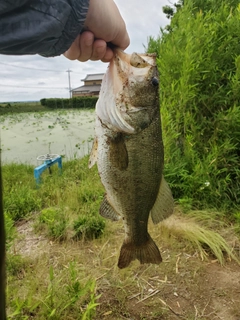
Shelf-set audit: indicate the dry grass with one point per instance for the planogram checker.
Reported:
(138, 292)
(203, 239)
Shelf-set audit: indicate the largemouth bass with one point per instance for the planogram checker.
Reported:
(128, 149)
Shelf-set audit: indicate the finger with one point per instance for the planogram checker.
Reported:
(86, 46)
(108, 55)
(99, 50)
(74, 51)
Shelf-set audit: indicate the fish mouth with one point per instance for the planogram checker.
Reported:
(137, 60)
(126, 72)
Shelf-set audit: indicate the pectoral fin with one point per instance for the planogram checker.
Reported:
(93, 154)
(163, 206)
(118, 155)
(107, 211)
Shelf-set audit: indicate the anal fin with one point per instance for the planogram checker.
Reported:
(146, 253)
(164, 204)
(107, 211)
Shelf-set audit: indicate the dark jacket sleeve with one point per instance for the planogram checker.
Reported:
(45, 27)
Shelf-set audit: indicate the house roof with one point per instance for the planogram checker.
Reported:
(87, 88)
(91, 77)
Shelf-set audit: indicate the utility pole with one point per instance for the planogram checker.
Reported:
(69, 82)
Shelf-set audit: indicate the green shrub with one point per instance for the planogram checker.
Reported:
(55, 222)
(76, 102)
(199, 63)
(43, 102)
(20, 201)
(19, 196)
(88, 227)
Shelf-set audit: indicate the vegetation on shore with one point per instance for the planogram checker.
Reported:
(60, 251)
(85, 102)
(199, 61)
(20, 107)
(48, 105)
(64, 208)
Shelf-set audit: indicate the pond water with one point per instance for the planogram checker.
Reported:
(25, 136)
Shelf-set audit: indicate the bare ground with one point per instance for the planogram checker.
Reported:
(182, 287)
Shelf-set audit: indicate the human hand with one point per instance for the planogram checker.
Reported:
(103, 24)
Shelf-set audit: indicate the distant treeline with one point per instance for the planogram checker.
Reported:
(19, 107)
(76, 102)
(48, 104)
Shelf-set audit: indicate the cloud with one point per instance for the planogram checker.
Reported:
(143, 19)
(24, 78)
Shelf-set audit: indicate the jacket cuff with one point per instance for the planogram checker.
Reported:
(72, 28)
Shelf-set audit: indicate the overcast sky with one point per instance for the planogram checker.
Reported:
(26, 78)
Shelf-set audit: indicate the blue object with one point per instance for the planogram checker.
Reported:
(47, 164)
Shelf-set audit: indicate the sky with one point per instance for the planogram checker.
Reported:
(32, 77)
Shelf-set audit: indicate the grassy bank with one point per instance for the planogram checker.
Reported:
(18, 107)
(62, 255)
(64, 209)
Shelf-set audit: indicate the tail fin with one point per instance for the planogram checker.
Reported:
(146, 253)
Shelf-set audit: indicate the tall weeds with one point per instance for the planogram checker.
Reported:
(199, 61)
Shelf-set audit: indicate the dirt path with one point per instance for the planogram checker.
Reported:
(182, 287)
(222, 286)
(212, 293)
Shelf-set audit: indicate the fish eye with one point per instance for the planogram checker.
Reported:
(155, 81)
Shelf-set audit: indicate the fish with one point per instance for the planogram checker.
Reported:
(129, 153)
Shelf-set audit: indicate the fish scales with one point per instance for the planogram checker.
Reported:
(128, 149)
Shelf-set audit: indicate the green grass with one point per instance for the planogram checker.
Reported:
(19, 107)
(60, 200)
(54, 222)
(64, 206)
(60, 294)
(62, 255)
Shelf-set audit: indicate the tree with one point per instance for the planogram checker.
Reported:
(170, 11)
